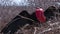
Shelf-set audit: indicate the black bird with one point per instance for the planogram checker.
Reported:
(16, 23)
(50, 12)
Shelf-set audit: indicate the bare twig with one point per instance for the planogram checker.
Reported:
(35, 30)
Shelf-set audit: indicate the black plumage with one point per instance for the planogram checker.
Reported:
(33, 16)
(49, 13)
(25, 14)
(16, 23)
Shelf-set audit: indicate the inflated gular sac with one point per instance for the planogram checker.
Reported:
(40, 15)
